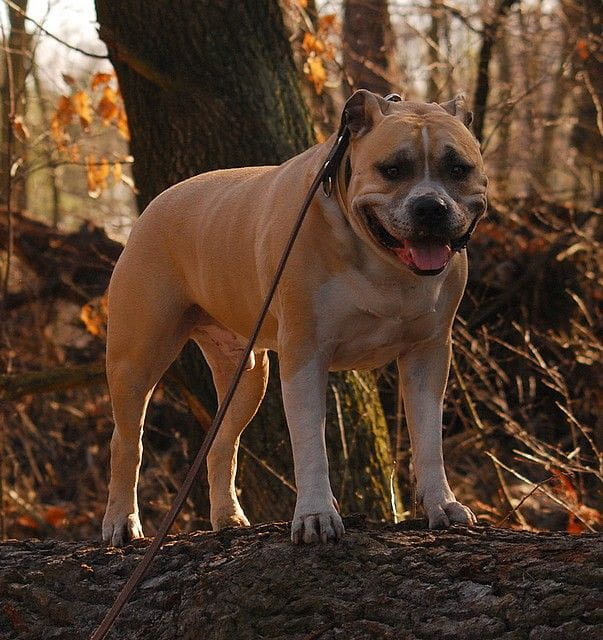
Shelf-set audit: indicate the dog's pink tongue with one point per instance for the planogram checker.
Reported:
(430, 256)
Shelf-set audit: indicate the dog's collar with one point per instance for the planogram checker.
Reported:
(336, 154)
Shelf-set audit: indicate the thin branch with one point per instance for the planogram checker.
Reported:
(515, 509)
(548, 494)
(20, 11)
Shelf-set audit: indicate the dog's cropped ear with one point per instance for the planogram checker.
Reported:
(362, 111)
(459, 109)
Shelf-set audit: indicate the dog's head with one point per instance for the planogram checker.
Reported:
(415, 180)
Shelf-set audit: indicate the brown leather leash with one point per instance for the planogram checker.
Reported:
(325, 176)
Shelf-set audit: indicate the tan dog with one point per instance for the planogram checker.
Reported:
(372, 277)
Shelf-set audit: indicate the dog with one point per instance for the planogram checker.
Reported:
(373, 276)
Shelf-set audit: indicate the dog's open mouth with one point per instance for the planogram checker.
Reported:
(426, 256)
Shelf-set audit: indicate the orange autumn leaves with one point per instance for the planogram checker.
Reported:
(319, 51)
(100, 103)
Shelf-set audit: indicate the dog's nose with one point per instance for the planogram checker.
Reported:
(429, 208)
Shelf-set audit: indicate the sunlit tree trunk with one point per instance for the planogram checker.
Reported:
(368, 46)
(210, 85)
(433, 52)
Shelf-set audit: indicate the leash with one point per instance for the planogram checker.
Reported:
(326, 177)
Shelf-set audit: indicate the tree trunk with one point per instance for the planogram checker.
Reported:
(368, 43)
(396, 582)
(482, 83)
(502, 158)
(211, 85)
(14, 74)
(433, 52)
(587, 68)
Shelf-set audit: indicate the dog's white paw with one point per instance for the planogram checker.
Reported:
(322, 526)
(443, 513)
(118, 530)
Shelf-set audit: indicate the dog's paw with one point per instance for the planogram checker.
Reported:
(119, 530)
(221, 521)
(322, 527)
(442, 514)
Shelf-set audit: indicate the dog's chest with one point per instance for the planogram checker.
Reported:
(367, 325)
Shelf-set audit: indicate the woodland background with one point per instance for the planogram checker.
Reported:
(204, 85)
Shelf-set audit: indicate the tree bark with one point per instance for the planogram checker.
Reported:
(433, 51)
(211, 85)
(482, 83)
(368, 44)
(584, 19)
(14, 74)
(396, 582)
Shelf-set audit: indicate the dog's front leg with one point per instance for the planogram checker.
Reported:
(304, 398)
(423, 373)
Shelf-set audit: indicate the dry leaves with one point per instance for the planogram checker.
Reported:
(94, 316)
(101, 100)
(319, 51)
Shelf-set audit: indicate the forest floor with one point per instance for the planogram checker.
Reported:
(382, 581)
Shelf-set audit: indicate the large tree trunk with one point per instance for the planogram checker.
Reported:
(368, 45)
(210, 85)
(384, 583)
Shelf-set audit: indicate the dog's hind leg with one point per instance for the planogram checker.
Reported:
(222, 457)
(147, 328)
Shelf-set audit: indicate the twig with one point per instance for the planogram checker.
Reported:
(20, 11)
(505, 490)
(515, 510)
(271, 470)
(548, 494)
(344, 444)
(468, 399)
(583, 75)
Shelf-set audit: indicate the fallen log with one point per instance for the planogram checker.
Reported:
(396, 582)
(13, 386)
(73, 266)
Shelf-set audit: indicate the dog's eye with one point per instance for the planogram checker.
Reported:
(392, 172)
(459, 171)
(396, 171)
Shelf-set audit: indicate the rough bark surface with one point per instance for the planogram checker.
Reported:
(207, 85)
(401, 582)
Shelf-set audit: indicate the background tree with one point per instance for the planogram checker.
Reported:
(368, 46)
(15, 67)
(208, 85)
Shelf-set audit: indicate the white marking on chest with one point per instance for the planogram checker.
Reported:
(425, 135)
